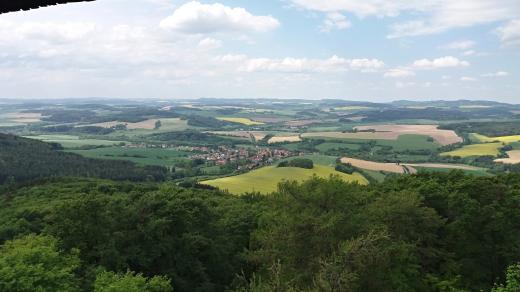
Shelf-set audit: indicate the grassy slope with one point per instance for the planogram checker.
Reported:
(142, 156)
(265, 180)
(70, 141)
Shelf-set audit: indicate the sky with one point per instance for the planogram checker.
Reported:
(368, 50)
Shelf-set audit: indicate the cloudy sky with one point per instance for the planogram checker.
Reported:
(373, 50)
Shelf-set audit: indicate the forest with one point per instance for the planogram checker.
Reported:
(424, 232)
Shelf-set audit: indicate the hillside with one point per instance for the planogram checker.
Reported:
(25, 159)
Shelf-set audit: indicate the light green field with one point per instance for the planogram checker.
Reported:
(403, 143)
(485, 139)
(143, 156)
(323, 147)
(351, 108)
(70, 141)
(265, 180)
(243, 121)
(486, 149)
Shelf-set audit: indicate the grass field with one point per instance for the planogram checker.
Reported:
(265, 180)
(323, 147)
(70, 141)
(317, 159)
(491, 149)
(403, 143)
(243, 121)
(143, 156)
(485, 139)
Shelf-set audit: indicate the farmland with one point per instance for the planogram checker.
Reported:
(68, 141)
(513, 157)
(484, 139)
(142, 156)
(243, 121)
(485, 149)
(265, 180)
(377, 166)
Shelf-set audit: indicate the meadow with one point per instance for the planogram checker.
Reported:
(485, 149)
(142, 156)
(70, 141)
(265, 180)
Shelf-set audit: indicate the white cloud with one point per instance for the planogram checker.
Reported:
(210, 44)
(230, 58)
(432, 16)
(468, 79)
(444, 62)
(469, 53)
(295, 65)
(496, 74)
(404, 84)
(197, 18)
(399, 73)
(335, 20)
(510, 33)
(459, 45)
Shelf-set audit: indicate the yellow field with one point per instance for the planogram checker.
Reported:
(243, 121)
(265, 180)
(486, 139)
(281, 139)
(491, 149)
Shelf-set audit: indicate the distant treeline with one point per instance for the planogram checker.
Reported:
(435, 114)
(491, 129)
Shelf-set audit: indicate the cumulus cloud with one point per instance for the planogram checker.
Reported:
(197, 18)
(459, 45)
(399, 73)
(302, 65)
(496, 74)
(510, 33)
(444, 62)
(210, 44)
(447, 14)
(335, 21)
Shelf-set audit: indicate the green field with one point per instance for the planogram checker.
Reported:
(243, 121)
(317, 159)
(403, 143)
(70, 141)
(143, 156)
(474, 137)
(265, 180)
(324, 147)
(491, 149)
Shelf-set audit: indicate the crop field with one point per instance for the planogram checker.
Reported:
(377, 166)
(514, 157)
(323, 147)
(443, 137)
(265, 180)
(243, 121)
(485, 139)
(143, 156)
(257, 135)
(352, 108)
(282, 139)
(402, 143)
(69, 141)
(144, 125)
(485, 149)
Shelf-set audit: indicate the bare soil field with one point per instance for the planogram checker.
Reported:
(378, 166)
(280, 139)
(25, 117)
(514, 157)
(443, 137)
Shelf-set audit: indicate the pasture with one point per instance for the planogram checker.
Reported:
(143, 156)
(243, 121)
(265, 180)
(70, 141)
(485, 149)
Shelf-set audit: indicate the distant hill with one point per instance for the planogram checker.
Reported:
(24, 159)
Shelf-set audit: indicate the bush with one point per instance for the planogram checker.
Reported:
(298, 162)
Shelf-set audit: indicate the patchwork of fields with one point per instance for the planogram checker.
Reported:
(486, 149)
(70, 141)
(243, 121)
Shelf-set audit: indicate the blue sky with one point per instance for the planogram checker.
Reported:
(372, 50)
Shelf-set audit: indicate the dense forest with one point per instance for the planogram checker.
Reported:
(491, 129)
(425, 232)
(24, 159)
